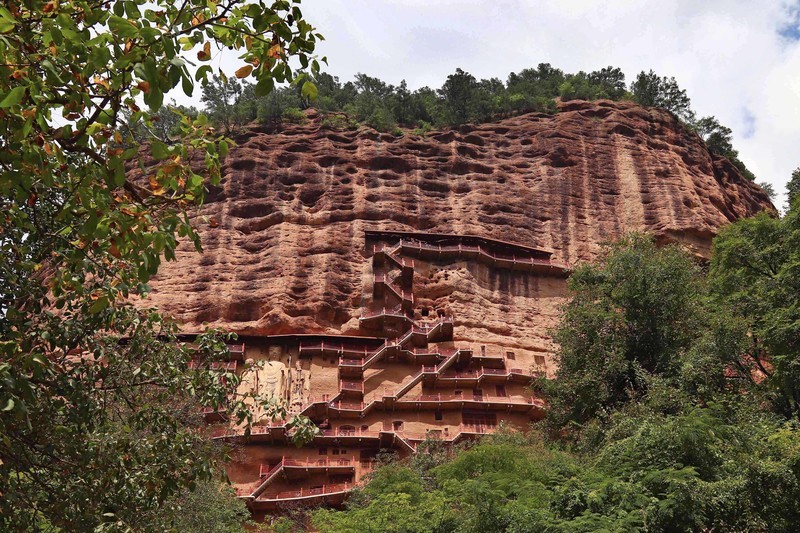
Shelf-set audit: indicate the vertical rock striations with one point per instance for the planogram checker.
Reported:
(287, 251)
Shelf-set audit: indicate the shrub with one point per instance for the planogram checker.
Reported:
(294, 115)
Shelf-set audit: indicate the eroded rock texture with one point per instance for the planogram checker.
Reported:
(286, 250)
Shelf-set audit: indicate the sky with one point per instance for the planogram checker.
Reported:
(738, 60)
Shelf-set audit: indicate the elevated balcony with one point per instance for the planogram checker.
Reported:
(526, 260)
(324, 495)
(351, 389)
(237, 351)
(275, 432)
(346, 436)
(222, 366)
(464, 378)
(513, 403)
(380, 317)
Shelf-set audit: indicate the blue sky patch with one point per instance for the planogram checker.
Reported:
(749, 123)
(791, 30)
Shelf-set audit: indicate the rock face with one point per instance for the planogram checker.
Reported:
(394, 289)
(285, 250)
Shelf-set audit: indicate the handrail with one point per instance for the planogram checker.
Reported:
(484, 398)
(227, 366)
(357, 386)
(347, 406)
(338, 432)
(236, 348)
(308, 493)
(411, 247)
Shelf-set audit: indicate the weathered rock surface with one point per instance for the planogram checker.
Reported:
(285, 252)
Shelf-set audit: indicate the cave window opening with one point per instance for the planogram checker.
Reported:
(425, 311)
(511, 356)
(438, 415)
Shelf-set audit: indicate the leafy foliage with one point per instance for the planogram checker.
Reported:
(793, 188)
(632, 317)
(700, 470)
(211, 508)
(97, 400)
(653, 91)
(756, 273)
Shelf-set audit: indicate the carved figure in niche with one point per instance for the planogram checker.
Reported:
(261, 381)
(273, 380)
(299, 388)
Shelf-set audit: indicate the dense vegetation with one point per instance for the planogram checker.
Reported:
(676, 407)
(461, 99)
(98, 405)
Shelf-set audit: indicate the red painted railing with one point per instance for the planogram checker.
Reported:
(338, 432)
(226, 366)
(485, 398)
(461, 248)
(307, 493)
(357, 386)
(236, 349)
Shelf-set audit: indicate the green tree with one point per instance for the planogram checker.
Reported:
(631, 317)
(793, 188)
(97, 403)
(768, 189)
(716, 136)
(651, 90)
(220, 96)
(754, 271)
(271, 108)
(372, 103)
(610, 82)
(458, 94)
(211, 508)
(164, 125)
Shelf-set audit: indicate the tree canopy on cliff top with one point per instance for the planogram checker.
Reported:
(97, 402)
(461, 99)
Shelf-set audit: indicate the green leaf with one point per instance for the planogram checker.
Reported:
(187, 85)
(159, 150)
(223, 149)
(121, 27)
(14, 97)
(98, 305)
(264, 86)
(202, 72)
(6, 25)
(309, 90)
(9, 405)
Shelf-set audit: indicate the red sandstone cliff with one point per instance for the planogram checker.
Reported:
(288, 253)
